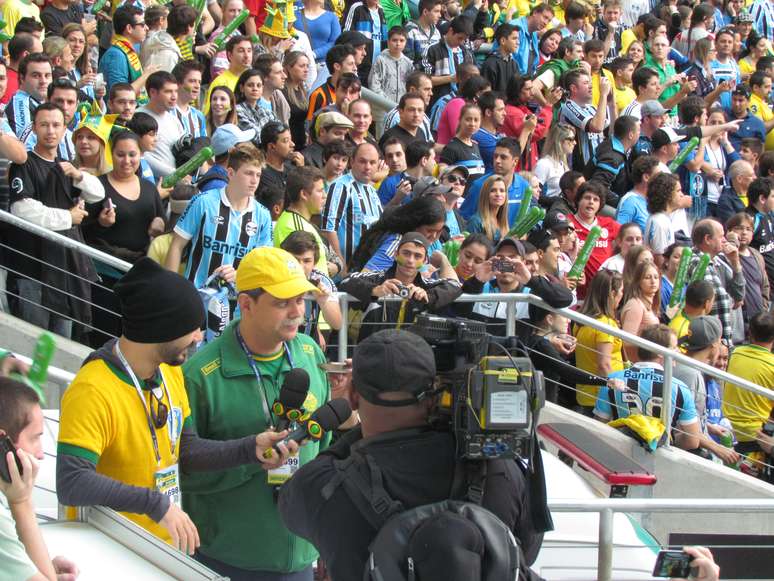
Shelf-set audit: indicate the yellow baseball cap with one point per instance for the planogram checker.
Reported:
(273, 270)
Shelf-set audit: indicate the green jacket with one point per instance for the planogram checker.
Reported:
(234, 509)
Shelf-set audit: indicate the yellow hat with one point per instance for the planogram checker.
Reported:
(274, 270)
(100, 125)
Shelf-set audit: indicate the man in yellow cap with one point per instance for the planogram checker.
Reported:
(232, 383)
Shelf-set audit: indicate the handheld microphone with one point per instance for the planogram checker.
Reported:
(287, 407)
(323, 420)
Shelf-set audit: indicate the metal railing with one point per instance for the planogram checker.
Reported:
(607, 507)
(511, 299)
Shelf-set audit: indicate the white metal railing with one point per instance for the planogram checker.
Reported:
(607, 507)
(511, 299)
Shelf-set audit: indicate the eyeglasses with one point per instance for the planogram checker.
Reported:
(140, 24)
(569, 139)
(452, 179)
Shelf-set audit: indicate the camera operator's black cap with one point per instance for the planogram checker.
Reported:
(392, 361)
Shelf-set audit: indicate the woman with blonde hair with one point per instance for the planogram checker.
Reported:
(58, 50)
(598, 352)
(642, 303)
(491, 218)
(90, 151)
(549, 169)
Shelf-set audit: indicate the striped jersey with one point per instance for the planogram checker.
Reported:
(762, 12)
(193, 121)
(219, 234)
(66, 146)
(644, 395)
(19, 112)
(579, 116)
(350, 209)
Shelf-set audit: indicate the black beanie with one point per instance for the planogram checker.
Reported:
(157, 305)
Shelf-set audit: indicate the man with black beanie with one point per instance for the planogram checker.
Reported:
(393, 375)
(117, 446)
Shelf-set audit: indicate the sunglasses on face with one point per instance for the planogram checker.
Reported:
(456, 180)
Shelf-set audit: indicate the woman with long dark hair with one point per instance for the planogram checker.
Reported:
(248, 93)
(757, 47)
(596, 351)
(296, 66)
(702, 20)
(377, 248)
(222, 108)
(548, 44)
(450, 118)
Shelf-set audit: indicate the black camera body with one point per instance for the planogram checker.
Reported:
(501, 264)
(490, 402)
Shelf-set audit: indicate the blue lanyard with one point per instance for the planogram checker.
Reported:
(452, 68)
(254, 366)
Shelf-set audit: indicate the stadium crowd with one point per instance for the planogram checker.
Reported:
(205, 134)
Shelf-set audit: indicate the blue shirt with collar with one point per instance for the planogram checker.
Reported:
(515, 194)
(751, 126)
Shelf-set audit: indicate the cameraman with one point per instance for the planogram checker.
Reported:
(406, 280)
(393, 376)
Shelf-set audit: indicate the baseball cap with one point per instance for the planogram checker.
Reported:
(703, 331)
(744, 17)
(391, 361)
(429, 186)
(333, 119)
(743, 90)
(652, 107)
(557, 221)
(665, 136)
(452, 168)
(273, 270)
(227, 136)
(510, 241)
(415, 238)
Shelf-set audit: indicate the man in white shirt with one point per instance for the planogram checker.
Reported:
(162, 94)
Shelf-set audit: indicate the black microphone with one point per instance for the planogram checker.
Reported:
(287, 407)
(323, 420)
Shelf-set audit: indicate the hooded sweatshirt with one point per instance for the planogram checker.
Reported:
(388, 75)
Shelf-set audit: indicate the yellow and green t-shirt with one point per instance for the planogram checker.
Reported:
(680, 324)
(762, 111)
(586, 351)
(101, 420)
(289, 222)
(746, 410)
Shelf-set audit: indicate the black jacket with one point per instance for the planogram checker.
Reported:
(499, 71)
(608, 167)
(417, 466)
(728, 205)
(386, 315)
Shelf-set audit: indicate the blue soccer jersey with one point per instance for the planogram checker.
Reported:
(643, 395)
(350, 209)
(19, 112)
(219, 234)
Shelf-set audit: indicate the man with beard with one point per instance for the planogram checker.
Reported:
(115, 453)
(232, 383)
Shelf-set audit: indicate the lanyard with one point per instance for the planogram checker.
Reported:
(151, 427)
(254, 366)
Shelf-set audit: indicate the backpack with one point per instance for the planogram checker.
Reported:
(215, 295)
(450, 540)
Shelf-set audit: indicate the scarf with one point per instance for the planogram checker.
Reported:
(185, 45)
(135, 68)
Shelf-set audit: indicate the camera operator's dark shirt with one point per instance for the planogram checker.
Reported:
(418, 468)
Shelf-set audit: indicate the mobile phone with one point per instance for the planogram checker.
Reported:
(108, 204)
(502, 265)
(768, 428)
(672, 564)
(335, 367)
(5, 447)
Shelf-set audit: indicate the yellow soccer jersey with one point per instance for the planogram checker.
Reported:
(103, 421)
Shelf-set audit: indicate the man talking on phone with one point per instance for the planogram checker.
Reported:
(23, 552)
